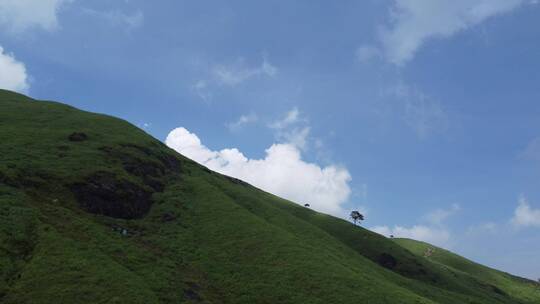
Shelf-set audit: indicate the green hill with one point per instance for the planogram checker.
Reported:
(94, 210)
(515, 286)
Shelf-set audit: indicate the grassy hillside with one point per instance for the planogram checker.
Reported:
(93, 210)
(515, 286)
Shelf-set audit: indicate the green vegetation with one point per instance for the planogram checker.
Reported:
(505, 283)
(93, 210)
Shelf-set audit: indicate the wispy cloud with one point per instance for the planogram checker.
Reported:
(422, 113)
(237, 73)
(413, 22)
(220, 76)
(437, 217)
(292, 128)
(202, 90)
(532, 151)
(242, 121)
(290, 118)
(128, 21)
(367, 53)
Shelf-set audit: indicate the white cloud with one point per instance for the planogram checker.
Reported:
(19, 15)
(232, 75)
(242, 121)
(525, 215)
(13, 74)
(436, 236)
(413, 22)
(282, 171)
(438, 216)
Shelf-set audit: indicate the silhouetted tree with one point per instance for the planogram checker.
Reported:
(356, 216)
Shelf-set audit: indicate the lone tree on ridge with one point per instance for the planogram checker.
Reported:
(356, 216)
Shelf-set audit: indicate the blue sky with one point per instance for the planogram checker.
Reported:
(424, 115)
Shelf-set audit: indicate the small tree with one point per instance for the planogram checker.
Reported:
(356, 216)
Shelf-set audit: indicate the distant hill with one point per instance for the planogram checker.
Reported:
(94, 210)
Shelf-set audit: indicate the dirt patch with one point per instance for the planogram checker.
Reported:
(103, 193)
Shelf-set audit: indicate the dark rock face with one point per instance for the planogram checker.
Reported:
(77, 136)
(103, 193)
(387, 261)
(106, 194)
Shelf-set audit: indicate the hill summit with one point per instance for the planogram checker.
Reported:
(94, 210)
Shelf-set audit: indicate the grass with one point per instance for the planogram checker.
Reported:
(524, 289)
(206, 238)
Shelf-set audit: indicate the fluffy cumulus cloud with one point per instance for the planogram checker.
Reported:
(282, 171)
(19, 15)
(436, 236)
(413, 22)
(12, 73)
(525, 215)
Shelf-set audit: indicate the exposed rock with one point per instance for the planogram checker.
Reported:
(103, 193)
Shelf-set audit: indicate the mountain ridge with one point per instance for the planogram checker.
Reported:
(94, 210)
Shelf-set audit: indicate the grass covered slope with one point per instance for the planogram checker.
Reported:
(520, 288)
(93, 210)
